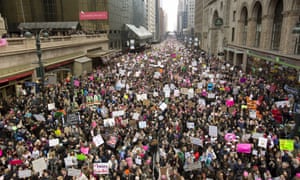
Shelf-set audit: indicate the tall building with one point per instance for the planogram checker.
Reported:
(252, 33)
(199, 20)
(51, 11)
(138, 13)
(163, 21)
(182, 20)
(120, 13)
(190, 14)
(150, 16)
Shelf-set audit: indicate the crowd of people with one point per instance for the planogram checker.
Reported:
(165, 113)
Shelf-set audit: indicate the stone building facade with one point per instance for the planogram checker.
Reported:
(251, 29)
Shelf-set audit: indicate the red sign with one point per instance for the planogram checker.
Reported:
(94, 15)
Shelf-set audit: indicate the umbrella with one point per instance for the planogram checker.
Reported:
(81, 157)
(16, 162)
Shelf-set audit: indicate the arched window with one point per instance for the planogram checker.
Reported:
(258, 9)
(277, 24)
(244, 18)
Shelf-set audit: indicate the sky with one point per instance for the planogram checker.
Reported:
(170, 7)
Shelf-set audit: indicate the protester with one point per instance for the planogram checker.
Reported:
(168, 113)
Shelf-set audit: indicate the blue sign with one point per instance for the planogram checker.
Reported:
(210, 86)
(30, 84)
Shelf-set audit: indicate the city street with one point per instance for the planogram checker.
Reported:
(166, 113)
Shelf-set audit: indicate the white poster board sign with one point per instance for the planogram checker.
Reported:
(51, 106)
(142, 124)
(163, 106)
(135, 116)
(24, 173)
(176, 92)
(53, 142)
(109, 122)
(39, 165)
(70, 161)
(118, 113)
(190, 125)
(196, 141)
(262, 142)
(252, 113)
(74, 172)
(213, 131)
(101, 168)
(98, 140)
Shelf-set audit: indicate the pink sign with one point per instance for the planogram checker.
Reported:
(230, 137)
(84, 150)
(93, 15)
(1, 152)
(243, 148)
(76, 83)
(94, 124)
(3, 42)
(229, 103)
(129, 162)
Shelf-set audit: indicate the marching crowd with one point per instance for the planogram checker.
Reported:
(165, 113)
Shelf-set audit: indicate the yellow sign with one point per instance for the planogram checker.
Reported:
(286, 144)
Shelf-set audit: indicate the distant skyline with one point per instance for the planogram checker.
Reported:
(170, 7)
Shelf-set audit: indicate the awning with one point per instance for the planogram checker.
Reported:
(16, 76)
(67, 25)
(141, 32)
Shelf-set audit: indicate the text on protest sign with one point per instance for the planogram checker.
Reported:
(72, 119)
(101, 168)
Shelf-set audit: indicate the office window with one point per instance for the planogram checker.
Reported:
(232, 34)
(258, 25)
(277, 24)
(233, 16)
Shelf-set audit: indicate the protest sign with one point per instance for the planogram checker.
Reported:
(142, 124)
(74, 172)
(213, 131)
(190, 125)
(243, 148)
(193, 166)
(53, 142)
(109, 122)
(252, 113)
(39, 165)
(286, 144)
(163, 106)
(70, 161)
(51, 106)
(196, 141)
(135, 116)
(176, 92)
(100, 168)
(118, 113)
(26, 173)
(72, 119)
(262, 142)
(98, 140)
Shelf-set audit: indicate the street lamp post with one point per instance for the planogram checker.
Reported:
(40, 70)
